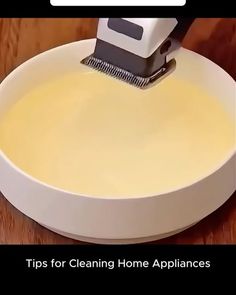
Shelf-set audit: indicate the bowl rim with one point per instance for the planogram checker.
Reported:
(230, 155)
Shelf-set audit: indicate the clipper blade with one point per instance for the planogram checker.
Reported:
(124, 75)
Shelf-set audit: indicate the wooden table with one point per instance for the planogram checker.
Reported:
(21, 39)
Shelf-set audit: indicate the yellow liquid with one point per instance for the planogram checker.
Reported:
(93, 135)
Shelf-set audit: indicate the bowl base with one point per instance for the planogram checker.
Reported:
(117, 241)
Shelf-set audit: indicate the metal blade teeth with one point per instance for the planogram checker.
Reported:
(116, 72)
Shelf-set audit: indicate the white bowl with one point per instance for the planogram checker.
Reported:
(104, 220)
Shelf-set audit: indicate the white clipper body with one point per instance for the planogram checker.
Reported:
(139, 51)
(140, 36)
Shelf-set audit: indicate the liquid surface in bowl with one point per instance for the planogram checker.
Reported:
(93, 135)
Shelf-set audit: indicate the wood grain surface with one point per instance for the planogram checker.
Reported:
(20, 39)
